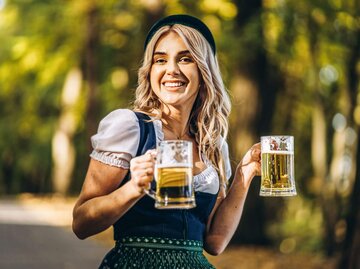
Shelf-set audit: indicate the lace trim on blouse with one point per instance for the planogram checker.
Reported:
(110, 158)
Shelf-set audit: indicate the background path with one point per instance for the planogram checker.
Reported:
(35, 233)
(39, 236)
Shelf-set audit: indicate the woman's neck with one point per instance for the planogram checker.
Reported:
(177, 122)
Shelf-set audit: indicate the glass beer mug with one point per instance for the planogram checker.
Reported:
(174, 175)
(277, 166)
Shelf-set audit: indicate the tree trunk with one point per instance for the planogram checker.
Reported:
(63, 151)
(324, 180)
(91, 71)
(254, 88)
(350, 258)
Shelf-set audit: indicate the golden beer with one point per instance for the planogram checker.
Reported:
(277, 174)
(173, 175)
(174, 187)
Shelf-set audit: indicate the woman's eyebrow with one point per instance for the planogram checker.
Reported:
(159, 53)
(184, 52)
(164, 53)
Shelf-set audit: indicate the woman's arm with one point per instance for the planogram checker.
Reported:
(101, 203)
(228, 210)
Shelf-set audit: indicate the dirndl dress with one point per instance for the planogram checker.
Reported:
(156, 253)
(149, 238)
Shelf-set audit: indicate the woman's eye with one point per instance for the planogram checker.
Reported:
(160, 61)
(186, 59)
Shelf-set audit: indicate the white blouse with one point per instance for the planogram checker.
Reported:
(117, 141)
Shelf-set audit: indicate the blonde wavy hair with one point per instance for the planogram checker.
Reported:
(208, 121)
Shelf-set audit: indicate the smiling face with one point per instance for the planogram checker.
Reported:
(174, 75)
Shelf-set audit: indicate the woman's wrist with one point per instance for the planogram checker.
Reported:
(135, 190)
(244, 176)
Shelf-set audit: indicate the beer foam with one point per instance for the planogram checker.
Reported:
(171, 165)
(283, 152)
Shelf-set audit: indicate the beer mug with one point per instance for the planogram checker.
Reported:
(277, 166)
(174, 175)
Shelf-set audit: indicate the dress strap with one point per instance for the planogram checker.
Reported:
(147, 133)
(147, 139)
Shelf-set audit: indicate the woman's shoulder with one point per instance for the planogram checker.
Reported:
(118, 131)
(120, 116)
(118, 120)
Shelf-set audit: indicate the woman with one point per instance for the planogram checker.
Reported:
(181, 89)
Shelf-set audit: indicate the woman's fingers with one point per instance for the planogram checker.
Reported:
(146, 171)
(253, 154)
(143, 161)
(251, 163)
(147, 157)
(142, 169)
(256, 156)
(256, 153)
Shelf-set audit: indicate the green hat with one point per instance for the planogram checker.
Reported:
(186, 20)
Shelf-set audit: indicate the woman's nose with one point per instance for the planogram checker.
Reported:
(172, 68)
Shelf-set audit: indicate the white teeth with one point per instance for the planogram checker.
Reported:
(173, 84)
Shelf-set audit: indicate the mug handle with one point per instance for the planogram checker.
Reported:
(151, 193)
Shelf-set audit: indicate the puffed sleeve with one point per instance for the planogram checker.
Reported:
(117, 138)
(225, 153)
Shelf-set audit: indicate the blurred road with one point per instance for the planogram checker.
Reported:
(36, 237)
(36, 234)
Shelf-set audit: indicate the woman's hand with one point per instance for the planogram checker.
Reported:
(250, 165)
(142, 170)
